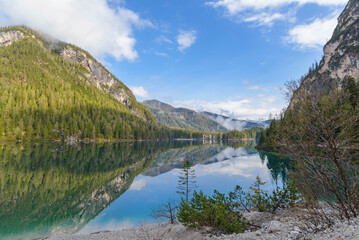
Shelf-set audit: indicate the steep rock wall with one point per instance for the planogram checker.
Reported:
(341, 57)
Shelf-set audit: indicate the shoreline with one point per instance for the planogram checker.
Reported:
(283, 225)
(112, 140)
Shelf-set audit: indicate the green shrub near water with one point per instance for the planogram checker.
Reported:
(217, 211)
(280, 198)
(225, 213)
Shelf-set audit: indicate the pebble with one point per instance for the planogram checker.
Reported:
(283, 228)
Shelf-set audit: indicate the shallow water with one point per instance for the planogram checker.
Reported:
(49, 189)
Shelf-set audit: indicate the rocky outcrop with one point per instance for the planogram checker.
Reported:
(341, 56)
(101, 78)
(8, 37)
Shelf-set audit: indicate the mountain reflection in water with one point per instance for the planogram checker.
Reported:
(49, 188)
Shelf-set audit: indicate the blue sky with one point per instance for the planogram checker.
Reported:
(223, 56)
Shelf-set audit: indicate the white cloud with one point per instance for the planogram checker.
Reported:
(314, 34)
(150, 51)
(265, 12)
(254, 87)
(139, 91)
(92, 25)
(264, 18)
(236, 6)
(245, 81)
(185, 39)
(253, 109)
(138, 184)
(232, 162)
(163, 39)
(162, 54)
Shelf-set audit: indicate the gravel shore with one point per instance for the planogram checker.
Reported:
(286, 225)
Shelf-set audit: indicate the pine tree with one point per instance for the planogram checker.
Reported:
(186, 182)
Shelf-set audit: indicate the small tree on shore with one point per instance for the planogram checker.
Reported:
(186, 182)
(166, 211)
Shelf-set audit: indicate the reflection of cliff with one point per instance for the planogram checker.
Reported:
(174, 158)
(48, 189)
(104, 195)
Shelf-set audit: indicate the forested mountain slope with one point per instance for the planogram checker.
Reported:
(182, 118)
(50, 89)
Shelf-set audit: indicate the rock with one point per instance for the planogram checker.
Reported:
(8, 37)
(177, 231)
(275, 226)
(293, 234)
(341, 57)
(101, 78)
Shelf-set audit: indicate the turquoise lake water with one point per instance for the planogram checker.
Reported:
(49, 189)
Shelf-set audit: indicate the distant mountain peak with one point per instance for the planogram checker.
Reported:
(182, 117)
(204, 121)
(235, 124)
(158, 105)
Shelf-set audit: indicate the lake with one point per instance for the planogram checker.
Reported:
(50, 188)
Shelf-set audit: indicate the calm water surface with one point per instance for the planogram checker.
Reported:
(49, 189)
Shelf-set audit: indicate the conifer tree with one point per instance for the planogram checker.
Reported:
(186, 182)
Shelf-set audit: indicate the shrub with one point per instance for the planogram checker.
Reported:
(260, 200)
(224, 213)
(217, 211)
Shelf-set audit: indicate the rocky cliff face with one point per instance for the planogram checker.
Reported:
(341, 56)
(101, 78)
(8, 37)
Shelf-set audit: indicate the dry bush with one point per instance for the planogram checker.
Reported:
(166, 211)
(322, 134)
(147, 232)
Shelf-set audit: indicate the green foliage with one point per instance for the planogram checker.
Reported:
(262, 137)
(280, 198)
(352, 89)
(253, 133)
(321, 132)
(224, 213)
(296, 126)
(217, 211)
